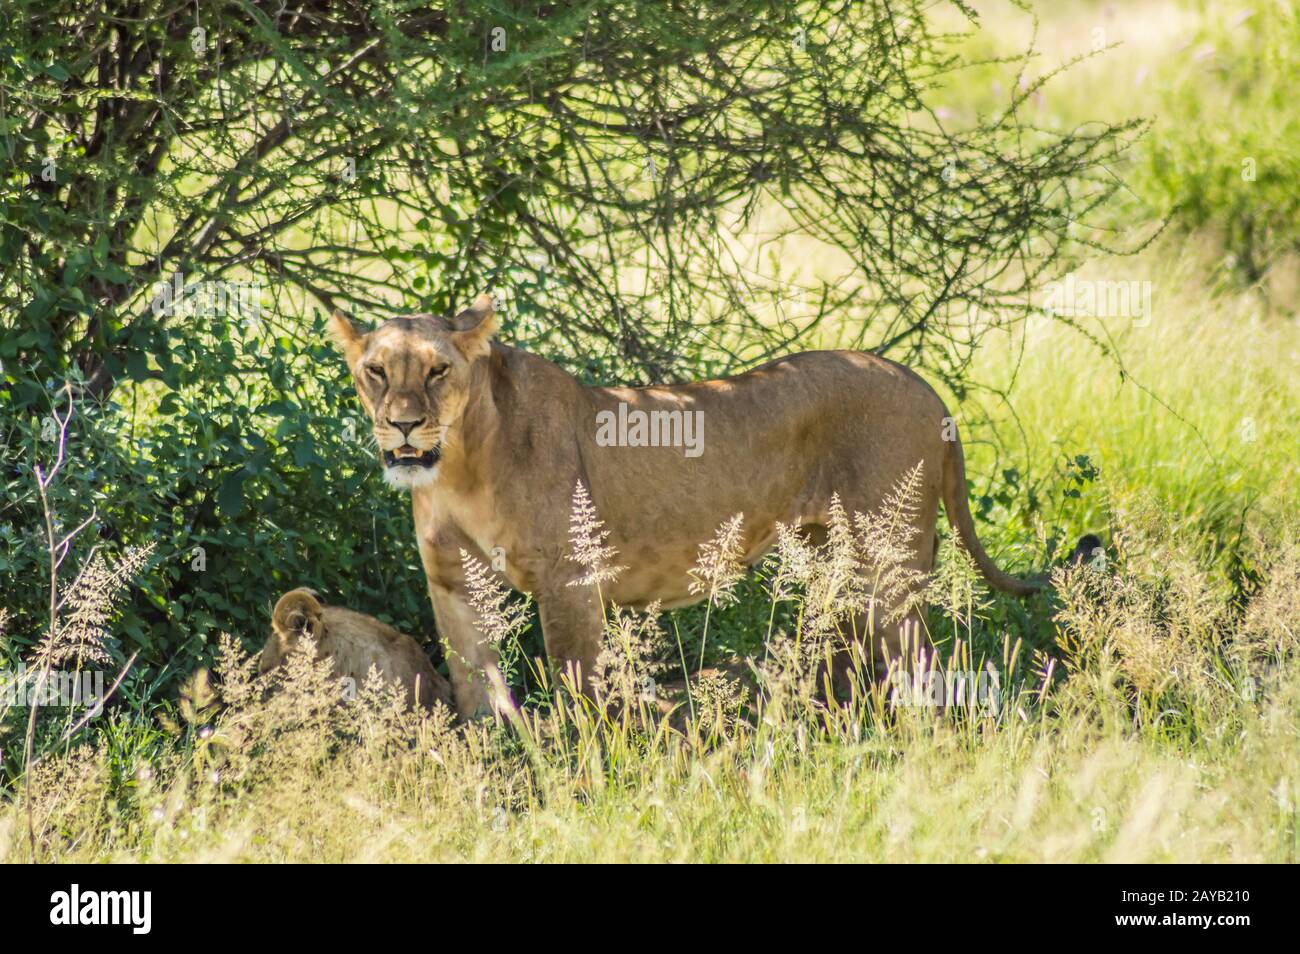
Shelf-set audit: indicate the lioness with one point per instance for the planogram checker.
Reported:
(491, 442)
(353, 642)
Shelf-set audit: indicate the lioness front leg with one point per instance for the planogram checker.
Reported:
(469, 654)
(573, 623)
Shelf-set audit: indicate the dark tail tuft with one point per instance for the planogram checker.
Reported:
(1087, 549)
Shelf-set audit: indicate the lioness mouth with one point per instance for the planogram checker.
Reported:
(408, 456)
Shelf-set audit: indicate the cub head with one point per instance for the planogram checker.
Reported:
(414, 378)
(297, 614)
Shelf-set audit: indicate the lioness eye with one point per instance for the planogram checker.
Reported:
(436, 373)
(377, 371)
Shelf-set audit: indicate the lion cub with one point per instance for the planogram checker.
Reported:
(353, 642)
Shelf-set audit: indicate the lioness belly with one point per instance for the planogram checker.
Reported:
(660, 571)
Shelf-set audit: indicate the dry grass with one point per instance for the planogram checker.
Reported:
(1172, 736)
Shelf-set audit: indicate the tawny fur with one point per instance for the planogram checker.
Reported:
(353, 642)
(515, 434)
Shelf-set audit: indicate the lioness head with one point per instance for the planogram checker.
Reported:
(413, 376)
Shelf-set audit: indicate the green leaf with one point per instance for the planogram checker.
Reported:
(230, 497)
(137, 366)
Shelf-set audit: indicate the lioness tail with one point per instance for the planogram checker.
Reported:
(959, 517)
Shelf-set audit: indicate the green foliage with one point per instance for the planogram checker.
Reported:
(253, 474)
(1232, 158)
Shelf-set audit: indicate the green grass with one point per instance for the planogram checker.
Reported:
(1173, 743)
(1195, 407)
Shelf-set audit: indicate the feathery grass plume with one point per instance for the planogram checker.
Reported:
(1159, 618)
(956, 586)
(588, 539)
(237, 672)
(825, 582)
(719, 566)
(835, 586)
(631, 657)
(199, 701)
(886, 540)
(717, 571)
(1108, 621)
(500, 619)
(718, 702)
(296, 714)
(87, 608)
(792, 560)
(1270, 631)
(4, 636)
(1181, 602)
(301, 728)
(380, 714)
(862, 564)
(67, 793)
(785, 571)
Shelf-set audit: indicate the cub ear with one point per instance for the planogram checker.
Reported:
(298, 613)
(349, 336)
(473, 328)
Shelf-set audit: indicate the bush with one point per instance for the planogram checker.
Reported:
(248, 468)
(1231, 159)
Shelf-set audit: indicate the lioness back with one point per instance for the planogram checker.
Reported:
(775, 443)
(353, 642)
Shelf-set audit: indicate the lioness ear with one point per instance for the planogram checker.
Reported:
(298, 612)
(474, 327)
(350, 337)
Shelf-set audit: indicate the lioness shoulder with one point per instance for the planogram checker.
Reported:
(353, 642)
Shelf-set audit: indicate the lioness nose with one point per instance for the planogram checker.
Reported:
(406, 426)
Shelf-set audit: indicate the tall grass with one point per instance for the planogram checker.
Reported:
(1193, 404)
(1164, 729)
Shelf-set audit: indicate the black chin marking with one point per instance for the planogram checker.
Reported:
(426, 459)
